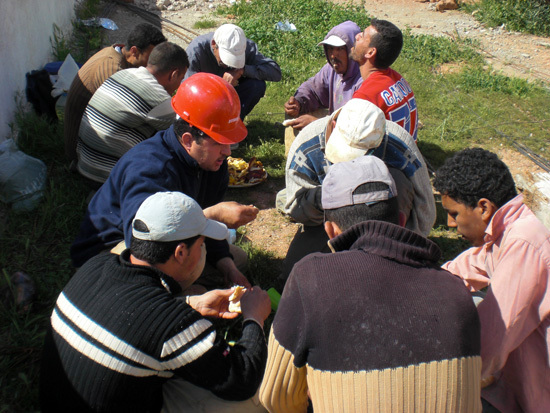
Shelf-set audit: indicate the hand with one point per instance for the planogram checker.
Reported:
(292, 107)
(233, 76)
(214, 303)
(231, 273)
(255, 303)
(232, 213)
(302, 121)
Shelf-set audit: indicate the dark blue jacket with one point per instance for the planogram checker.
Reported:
(157, 164)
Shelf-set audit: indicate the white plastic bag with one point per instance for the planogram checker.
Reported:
(65, 76)
(22, 177)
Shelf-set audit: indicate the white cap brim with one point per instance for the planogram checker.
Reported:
(333, 41)
(214, 229)
(232, 60)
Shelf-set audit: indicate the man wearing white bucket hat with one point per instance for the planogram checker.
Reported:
(358, 128)
(118, 332)
(227, 53)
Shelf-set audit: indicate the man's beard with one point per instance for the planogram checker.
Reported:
(353, 55)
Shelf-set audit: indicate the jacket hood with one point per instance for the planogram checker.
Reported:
(347, 32)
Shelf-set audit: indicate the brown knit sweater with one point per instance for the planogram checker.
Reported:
(375, 327)
(88, 79)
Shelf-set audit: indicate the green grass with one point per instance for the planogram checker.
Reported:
(205, 24)
(471, 105)
(529, 16)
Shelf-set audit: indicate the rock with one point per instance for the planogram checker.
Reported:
(446, 5)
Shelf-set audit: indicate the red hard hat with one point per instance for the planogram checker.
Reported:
(212, 105)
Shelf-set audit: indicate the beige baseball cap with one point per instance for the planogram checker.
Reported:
(231, 42)
(360, 127)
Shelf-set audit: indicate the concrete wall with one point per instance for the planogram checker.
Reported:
(25, 30)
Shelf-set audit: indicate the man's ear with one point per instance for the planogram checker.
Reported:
(187, 141)
(181, 253)
(402, 219)
(134, 52)
(332, 229)
(487, 208)
(371, 52)
(212, 43)
(174, 74)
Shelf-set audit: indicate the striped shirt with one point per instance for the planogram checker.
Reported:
(118, 117)
(118, 333)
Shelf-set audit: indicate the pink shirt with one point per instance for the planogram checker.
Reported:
(515, 315)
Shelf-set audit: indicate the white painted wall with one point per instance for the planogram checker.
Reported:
(25, 30)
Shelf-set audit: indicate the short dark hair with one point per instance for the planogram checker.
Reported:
(348, 216)
(144, 35)
(155, 252)
(167, 57)
(181, 127)
(475, 173)
(388, 41)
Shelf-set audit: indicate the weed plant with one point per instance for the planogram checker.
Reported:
(532, 16)
(468, 106)
(205, 24)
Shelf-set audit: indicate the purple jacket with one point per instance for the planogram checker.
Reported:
(327, 88)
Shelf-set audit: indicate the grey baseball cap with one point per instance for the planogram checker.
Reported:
(174, 216)
(343, 179)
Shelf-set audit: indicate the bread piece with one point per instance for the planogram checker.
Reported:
(235, 299)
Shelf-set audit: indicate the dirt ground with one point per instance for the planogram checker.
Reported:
(511, 53)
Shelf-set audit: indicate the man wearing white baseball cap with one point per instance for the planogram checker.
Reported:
(119, 332)
(229, 54)
(358, 128)
(336, 82)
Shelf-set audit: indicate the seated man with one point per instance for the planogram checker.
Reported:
(334, 84)
(141, 41)
(375, 326)
(118, 332)
(510, 256)
(229, 54)
(121, 113)
(188, 157)
(358, 128)
(375, 50)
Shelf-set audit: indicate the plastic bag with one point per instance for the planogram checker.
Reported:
(65, 76)
(22, 177)
(100, 21)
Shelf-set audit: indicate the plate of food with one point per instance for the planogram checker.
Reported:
(244, 174)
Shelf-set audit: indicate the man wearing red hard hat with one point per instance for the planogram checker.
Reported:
(188, 157)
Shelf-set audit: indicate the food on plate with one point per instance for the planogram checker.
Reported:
(235, 299)
(245, 173)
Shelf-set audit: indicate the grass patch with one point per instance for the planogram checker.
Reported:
(531, 16)
(85, 40)
(205, 24)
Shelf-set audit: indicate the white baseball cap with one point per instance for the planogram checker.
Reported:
(231, 43)
(333, 40)
(174, 216)
(360, 127)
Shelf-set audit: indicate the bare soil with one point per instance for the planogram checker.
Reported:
(513, 54)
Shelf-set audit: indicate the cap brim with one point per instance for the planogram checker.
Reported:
(235, 135)
(232, 60)
(333, 41)
(215, 230)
